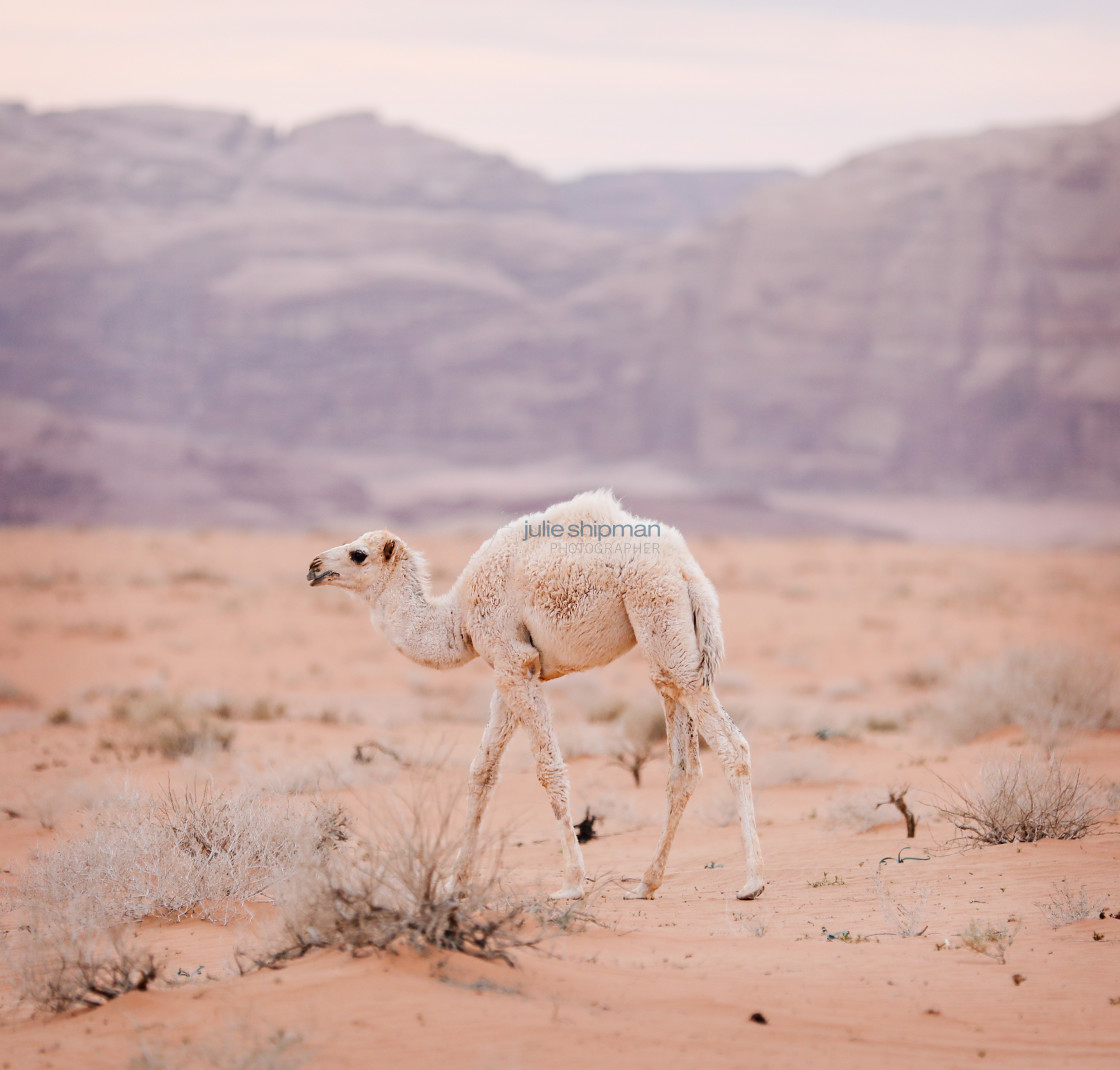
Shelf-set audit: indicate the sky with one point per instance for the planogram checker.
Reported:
(572, 86)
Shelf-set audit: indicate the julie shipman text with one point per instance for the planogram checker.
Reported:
(586, 530)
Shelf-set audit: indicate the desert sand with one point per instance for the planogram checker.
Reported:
(841, 660)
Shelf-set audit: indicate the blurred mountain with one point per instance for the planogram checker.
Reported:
(201, 318)
(653, 202)
(942, 315)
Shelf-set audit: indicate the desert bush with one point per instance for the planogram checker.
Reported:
(1064, 906)
(57, 969)
(1023, 801)
(397, 887)
(178, 853)
(1048, 691)
(175, 726)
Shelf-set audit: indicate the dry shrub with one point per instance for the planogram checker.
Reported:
(200, 852)
(58, 970)
(633, 756)
(396, 887)
(175, 726)
(1048, 691)
(905, 919)
(985, 939)
(1065, 907)
(1023, 801)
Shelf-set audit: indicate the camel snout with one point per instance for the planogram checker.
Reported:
(316, 574)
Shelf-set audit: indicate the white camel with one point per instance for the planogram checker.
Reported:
(552, 593)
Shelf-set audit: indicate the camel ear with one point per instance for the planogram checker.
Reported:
(388, 548)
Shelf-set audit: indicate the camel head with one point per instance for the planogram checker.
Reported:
(361, 567)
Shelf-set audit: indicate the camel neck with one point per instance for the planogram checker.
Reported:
(427, 630)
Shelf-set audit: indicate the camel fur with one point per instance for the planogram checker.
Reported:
(535, 607)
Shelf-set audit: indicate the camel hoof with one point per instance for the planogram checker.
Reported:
(750, 891)
(641, 892)
(569, 891)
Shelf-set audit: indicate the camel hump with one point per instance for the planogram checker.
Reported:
(592, 505)
(709, 633)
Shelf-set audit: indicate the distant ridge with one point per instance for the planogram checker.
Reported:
(203, 317)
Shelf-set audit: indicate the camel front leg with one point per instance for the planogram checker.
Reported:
(480, 786)
(531, 709)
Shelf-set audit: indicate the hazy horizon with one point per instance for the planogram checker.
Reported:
(579, 87)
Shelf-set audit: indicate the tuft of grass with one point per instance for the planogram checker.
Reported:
(985, 939)
(1024, 801)
(905, 919)
(1064, 906)
(748, 924)
(1048, 691)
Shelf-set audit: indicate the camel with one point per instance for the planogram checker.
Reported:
(556, 592)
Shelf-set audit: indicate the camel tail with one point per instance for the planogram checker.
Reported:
(709, 634)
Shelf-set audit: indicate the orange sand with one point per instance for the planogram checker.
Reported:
(821, 634)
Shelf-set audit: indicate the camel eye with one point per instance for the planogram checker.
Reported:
(358, 556)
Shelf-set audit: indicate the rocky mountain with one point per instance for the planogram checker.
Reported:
(937, 315)
(201, 318)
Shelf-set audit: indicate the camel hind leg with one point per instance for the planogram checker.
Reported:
(727, 741)
(668, 633)
(684, 775)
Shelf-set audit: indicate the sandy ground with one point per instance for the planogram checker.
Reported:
(841, 656)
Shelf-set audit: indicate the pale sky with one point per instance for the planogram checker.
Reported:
(569, 86)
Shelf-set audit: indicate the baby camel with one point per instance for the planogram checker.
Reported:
(552, 593)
